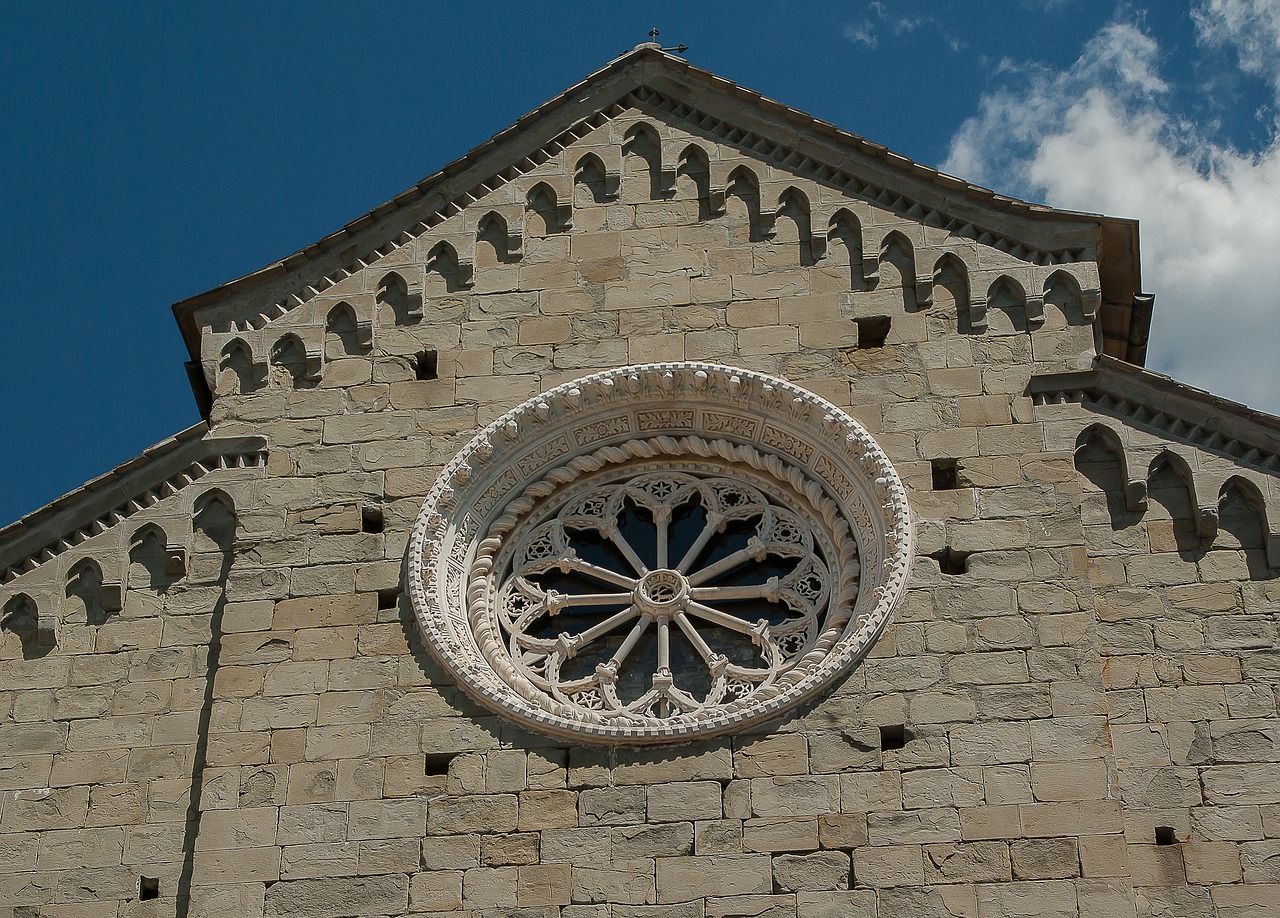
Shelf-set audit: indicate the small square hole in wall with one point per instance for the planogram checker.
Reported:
(148, 888)
(388, 599)
(427, 365)
(371, 519)
(872, 331)
(952, 562)
(437, 763)
(893, 736)
(946, 474)
(1165, 836)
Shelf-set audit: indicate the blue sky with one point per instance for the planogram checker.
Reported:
(154, 150)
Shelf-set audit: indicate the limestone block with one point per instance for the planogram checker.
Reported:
(814, 795)
(974, 862)
(250, 827)
(707, 762)
(611, 806)
(577, 846)
(684, 800)
(940, 787)
(682, 878)
(771, 835)
(1045, 858)
(1241, 784)
(436, 891)
(509, 850)
(944, 901)
(779, 754)
(490, 887)
(46, 808)
(819, 870)
(477, 813)
(1047, 820)
(627, 882)
(940, 824)
(664, 840)
(775, 906)
(888, 865)
(548, 809)
(990, 822)
(330, 898)
(1209, 862)
(1156, 865)
(1045, 898)
(718, 836)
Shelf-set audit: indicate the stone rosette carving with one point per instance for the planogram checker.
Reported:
(658, 553)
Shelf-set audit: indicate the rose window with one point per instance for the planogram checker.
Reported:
(661, 594)
(655, 553)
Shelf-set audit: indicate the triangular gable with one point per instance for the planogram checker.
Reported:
(661, 84)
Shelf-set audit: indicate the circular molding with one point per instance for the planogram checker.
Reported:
(664, 640)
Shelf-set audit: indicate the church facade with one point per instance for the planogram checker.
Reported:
(677, 506)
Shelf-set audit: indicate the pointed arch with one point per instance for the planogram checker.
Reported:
(642, 155)
(898, 267)
(494, 238)
(1244, 523)
(546, 214)
(793, 207)
(1006, 307)
(213, 521)
(845, 228)
(1063, 300)
(37, 634)
(1171, 492)
(393, 293)
(592, 183)
(742, 200)
(150, 561)
(451, 273)
(341, 332)
(87, 586)
(1100, 458)
(237, 374)
(951, 290)
(291, 364)
(695, 168)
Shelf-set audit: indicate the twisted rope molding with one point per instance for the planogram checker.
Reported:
(787, 434)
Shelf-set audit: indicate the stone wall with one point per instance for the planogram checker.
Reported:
(1072, 714)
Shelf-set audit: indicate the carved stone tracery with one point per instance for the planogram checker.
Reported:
(660, 552)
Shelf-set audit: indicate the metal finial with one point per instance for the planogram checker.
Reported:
(653, 33)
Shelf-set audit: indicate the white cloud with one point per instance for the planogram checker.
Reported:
(1250, 27)
(877, 20)
(1102, 136)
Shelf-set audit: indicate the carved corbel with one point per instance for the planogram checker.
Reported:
(715, 202)
(46, 629)
(870, 267)
(314, 362)
(817, 246)
(977, 314)
(364, 330)
(666, 181)
(112, 596)
(413, 303)
(564, 219)
(515, 244)
(1206, 519)
(1035, 309)
(924, 290)
(175, 560)
(1135, 496)
(1090, 300)
(467, 271)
